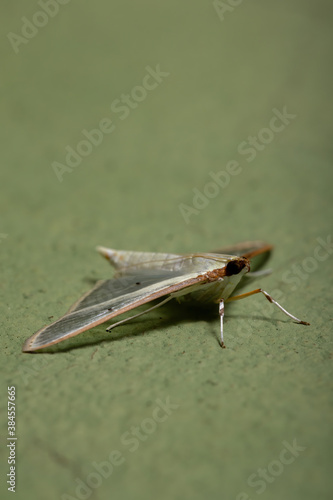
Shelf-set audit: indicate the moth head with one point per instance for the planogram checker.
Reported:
(236, 265)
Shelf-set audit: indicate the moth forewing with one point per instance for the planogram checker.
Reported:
(124, 260)
(128, 262)
(110, 298)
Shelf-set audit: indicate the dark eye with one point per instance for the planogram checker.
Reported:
(234, 267)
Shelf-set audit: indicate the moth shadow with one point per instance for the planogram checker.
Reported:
(168, 315)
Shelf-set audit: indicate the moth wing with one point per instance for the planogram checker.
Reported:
(127, 261)
(110, 298)
(106, 290)
(257, 252)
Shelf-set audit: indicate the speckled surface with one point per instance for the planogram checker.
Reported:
(156, 409)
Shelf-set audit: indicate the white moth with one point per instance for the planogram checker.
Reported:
(142, 277)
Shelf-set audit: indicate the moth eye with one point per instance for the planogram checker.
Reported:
(234, 267)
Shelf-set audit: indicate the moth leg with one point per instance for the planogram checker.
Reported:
(221, 312)
(139, 314)
(271, 300)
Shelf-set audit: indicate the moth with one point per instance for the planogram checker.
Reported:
(142, 277)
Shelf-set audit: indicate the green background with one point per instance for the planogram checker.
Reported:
(236, 407)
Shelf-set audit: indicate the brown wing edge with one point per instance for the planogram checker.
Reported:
(246, 248)
(28, 344)
(258, 251)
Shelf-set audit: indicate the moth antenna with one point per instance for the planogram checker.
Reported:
(139, 314)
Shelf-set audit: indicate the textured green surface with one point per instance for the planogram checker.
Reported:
(238, 407)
